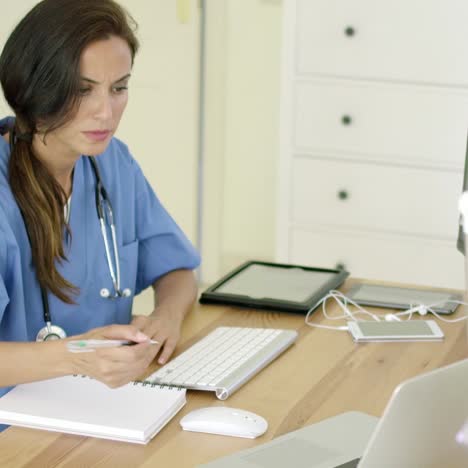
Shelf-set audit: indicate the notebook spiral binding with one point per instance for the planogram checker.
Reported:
(161, 386)
(144, 383)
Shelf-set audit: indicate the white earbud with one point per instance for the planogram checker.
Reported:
(105, 292)
(391, 318)
(422, 310)
(126, 292)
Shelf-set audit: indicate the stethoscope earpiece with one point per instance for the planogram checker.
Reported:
(105, 293)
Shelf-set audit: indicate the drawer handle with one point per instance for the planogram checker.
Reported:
(350, 31)
(346, 120)
(343, 194)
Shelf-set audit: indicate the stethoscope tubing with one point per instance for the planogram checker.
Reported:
(104, 208)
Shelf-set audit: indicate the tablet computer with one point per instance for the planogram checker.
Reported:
(403, 298)
(278, 286)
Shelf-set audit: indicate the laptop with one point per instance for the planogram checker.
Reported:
(418, 428)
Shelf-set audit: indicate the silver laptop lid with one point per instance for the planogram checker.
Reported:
(420, 423)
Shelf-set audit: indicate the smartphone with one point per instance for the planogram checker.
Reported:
(411, 330)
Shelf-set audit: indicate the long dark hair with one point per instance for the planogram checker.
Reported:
(40, 78)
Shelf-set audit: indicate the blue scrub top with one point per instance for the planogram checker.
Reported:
(150, 245)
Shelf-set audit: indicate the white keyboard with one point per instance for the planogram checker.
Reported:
(225, 359)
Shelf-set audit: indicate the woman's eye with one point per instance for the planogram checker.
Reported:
(120, 89)
(84, 91)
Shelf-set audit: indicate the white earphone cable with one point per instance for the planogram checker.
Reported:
(342, 301)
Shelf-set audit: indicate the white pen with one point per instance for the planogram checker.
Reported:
(84, 346)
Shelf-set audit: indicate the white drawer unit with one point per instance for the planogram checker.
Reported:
(374, 122)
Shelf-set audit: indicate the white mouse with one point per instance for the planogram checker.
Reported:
(225, 421)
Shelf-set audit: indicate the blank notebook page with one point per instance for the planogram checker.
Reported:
(81, 405)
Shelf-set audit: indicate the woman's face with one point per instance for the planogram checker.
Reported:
(105, 68)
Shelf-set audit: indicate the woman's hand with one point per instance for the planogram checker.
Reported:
(115, 366)
(163, 326)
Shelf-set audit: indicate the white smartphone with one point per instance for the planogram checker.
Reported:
(411, 330)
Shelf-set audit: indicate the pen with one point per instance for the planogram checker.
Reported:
(84, 346)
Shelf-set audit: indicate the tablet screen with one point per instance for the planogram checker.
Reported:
(395, 297)
(274, 282)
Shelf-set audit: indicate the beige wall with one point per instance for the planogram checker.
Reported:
(11, 14)
(243, 70)
(161, 121)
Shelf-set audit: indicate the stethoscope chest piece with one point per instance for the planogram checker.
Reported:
(50, 332)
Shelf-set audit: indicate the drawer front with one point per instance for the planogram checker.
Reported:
(374, 197)
(380, 257)
(388, 122)
(417, 40)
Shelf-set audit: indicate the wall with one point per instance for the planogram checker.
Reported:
(243, 72)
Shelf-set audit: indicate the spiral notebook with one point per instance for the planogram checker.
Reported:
(135, 412)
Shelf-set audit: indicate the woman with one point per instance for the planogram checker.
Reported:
(64, 72)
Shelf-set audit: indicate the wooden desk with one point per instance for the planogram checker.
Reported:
(323, 374)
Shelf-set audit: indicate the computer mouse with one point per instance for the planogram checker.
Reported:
(225, 421)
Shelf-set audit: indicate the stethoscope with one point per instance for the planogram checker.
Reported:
(106, 217)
